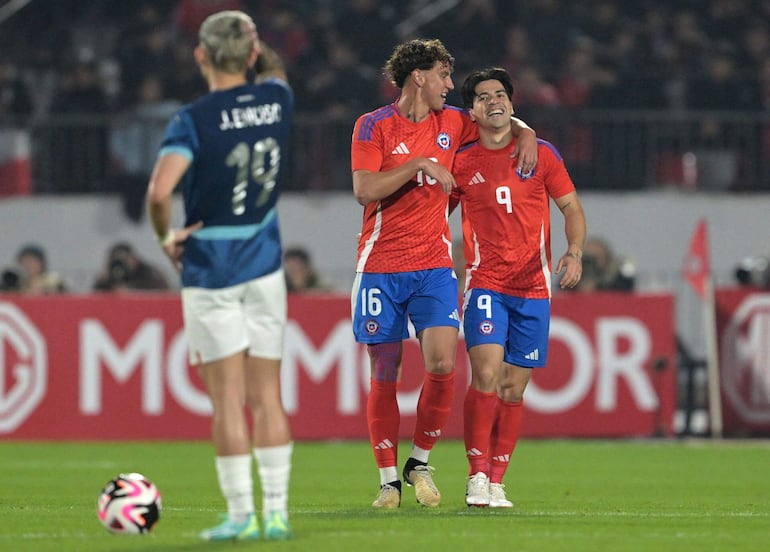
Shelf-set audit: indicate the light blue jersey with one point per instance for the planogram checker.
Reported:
(237, 142)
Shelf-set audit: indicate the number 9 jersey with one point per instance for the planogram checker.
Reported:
(237, 141)
(506, 217)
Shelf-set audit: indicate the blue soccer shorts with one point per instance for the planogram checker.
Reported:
(382, 304)
(518, 324)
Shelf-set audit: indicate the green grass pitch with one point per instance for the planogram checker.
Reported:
(569, 495)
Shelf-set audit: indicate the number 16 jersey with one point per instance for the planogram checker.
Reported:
(408, 230)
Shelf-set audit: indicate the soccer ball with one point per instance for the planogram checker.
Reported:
(129, 504)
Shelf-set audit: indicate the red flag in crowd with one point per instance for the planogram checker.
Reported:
(697, 264)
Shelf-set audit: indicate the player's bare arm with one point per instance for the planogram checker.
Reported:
(575, 231)
(526, 145)
(167, 173)
(369, 186)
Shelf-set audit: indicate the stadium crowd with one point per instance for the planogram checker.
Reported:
(71, 56)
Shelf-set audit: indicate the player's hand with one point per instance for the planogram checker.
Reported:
(440, 174)
(174, 247)
(572, 265)
(526, 151)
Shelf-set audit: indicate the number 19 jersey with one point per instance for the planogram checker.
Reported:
(237, 142)
(408, 230)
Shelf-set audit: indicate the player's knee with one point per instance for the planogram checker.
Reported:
(484, 380)
(442, 366)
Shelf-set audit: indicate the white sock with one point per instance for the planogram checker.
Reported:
(388, 475)
(237, 486)
(274, 468)
(420, 454)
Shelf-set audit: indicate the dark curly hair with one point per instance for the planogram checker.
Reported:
(415, 54)
(468, 91)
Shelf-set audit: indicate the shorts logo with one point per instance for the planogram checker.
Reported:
(487, 327)
(372, 327)
(444, 141)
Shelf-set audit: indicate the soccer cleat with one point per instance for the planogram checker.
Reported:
(477, 490)
(497, 498)
(389, 497)
(277, 526)
(419, 476)
(230, 530)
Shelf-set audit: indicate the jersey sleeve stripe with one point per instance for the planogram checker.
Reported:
(181, 150)
(370, 120)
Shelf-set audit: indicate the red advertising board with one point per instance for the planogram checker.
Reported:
(743, 327)
(115, 367)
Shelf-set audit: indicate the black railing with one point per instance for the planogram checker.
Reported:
(603, 150)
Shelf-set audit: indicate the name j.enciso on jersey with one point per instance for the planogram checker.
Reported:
(257, 115)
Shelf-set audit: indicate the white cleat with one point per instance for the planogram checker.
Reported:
(477, 490)
(497, 498)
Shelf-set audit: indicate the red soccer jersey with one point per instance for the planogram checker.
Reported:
(506, 219)
(408, 230)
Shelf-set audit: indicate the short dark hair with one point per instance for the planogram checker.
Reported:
(419, 53)
(33, 250)
(481, 75)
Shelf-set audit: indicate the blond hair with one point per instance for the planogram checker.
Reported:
(229, 38)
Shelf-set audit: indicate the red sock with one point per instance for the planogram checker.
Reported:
(433, 408)
(383, 418)
(505, 433)
(478, 416)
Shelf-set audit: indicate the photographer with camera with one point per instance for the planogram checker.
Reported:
(603, 270)
(30, 274)
(125, 270)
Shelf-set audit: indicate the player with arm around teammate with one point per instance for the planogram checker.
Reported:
(226, 150)
(506, 304)
(401, 157)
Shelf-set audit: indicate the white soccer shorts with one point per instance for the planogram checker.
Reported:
(250, 316)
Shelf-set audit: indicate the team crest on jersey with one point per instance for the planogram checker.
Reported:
(444, 141)
(486, 327)
(525, 176)
(372, 327)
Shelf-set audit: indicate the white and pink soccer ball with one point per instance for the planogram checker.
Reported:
(129, 504)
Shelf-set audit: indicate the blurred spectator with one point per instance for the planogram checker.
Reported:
(301, 275)
(135, 141)
(603, 270)
(31, 276)
(531, 90)
(146, 48)
(125, 270)
(15, 101)
(754, 272)
(582, 78)
(189, 14)
(343, 84)
(518, 51)
(77, 145)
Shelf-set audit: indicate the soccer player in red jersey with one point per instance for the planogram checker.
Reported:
(401, 157)
(507, 300)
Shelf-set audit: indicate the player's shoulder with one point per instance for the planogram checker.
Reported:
(367, 122)
(452, 113)
(273, 85)
(380, 114)
(548, 150)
